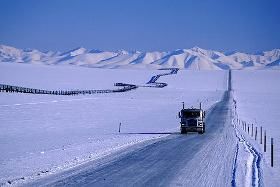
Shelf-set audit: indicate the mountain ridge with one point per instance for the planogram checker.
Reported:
(194, 58)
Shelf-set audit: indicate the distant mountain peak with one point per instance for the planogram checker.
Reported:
(78, 51)
(75, 51)
(7, 48)
(96, 51)
(195, 48)
(193, 58)
(122, 52)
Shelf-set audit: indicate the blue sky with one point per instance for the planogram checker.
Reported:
(145, 25)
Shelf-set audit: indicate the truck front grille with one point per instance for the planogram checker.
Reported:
(192, 122)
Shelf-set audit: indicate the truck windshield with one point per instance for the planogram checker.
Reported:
(191, 114)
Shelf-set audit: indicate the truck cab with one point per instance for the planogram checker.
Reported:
(192, 120)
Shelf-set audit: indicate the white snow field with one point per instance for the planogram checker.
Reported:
(46, 137)
(257, 95)
(44, 134)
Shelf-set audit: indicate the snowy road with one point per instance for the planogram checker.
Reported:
(177, 160)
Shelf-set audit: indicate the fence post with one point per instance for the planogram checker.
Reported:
(248, 129)
(271, 152)
(252, 130)
(120, 127)
(261, 135)
(256, 133)
(264, 141)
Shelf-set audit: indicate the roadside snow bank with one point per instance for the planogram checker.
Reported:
(258, 101)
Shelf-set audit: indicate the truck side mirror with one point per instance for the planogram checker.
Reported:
(204, 114)
(179, 114)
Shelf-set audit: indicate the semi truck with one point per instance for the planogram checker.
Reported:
(192, 120)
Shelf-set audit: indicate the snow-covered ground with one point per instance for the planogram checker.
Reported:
(42, 134)
(257, 95)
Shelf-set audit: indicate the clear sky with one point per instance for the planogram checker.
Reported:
(145, 25)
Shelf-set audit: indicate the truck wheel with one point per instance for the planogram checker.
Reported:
(183, 131)
(203, 128)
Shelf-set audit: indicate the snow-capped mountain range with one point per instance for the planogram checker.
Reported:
(194, 58)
